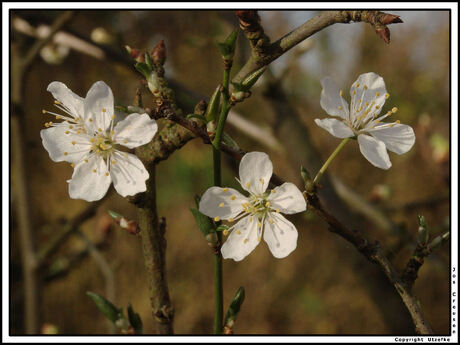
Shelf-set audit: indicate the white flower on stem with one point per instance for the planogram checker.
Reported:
(89, 139)
(257, 214)
(362, 120)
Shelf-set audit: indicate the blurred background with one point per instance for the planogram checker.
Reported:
(325, 286)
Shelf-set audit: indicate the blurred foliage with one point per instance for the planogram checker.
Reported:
(325, 286)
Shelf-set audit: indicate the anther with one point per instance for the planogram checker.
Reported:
(389, 112)
(86, 161)
(43, 111)
(104, 110)
(66, 153)
(125, 155)
(114, 161)
(112, 132)
(378, 121)
(271, 221)
(354, 92)
(221, 204)
(258, 238)
(277, 210)
(216, 219)
(225, 189)
(340, 107)
(262, 181)
(357, 84)
(91, 140)
(245, 240)
(273, 191)
(57, 102)
(99, 129)
(90, 120)
(70, 127)
(387, 95)
(58, 117)
(259, 225)
(366, 104)
(72, 165)
(233, 197)
(225, 232)
(113, 117)
(377, 94)
(377, 107)
(125, 141)
(94, 170)
(230, 220)
(365, 87)
(107, 174)
(73, 142)
(238, 232)
(394, 110)
(248, 184)
(341, 93)
(398, 122)
(267, 204)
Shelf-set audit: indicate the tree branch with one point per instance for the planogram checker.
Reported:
(377, 19)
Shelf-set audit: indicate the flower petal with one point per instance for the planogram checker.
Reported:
(241, 241)
(256, 169)
(135, 130)
(399, 138)
(281, 236)
(287, 198)
(99, 106)
(331, 101)
(70, 100)
(220, 202)
(374, 151)
(58, 142)
(128, 173)
(336, 127)
(87, 184)
(370, 85)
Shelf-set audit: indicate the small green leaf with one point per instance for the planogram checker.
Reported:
(143, 68)
(423, 235)
(114, 214)
(227, 48)
(204, 223)
(305, 174)
(148, 61)
(234, 307)
(222, 228)
(107, 308)
(135, 320)
(121, 108)
(213, 106)
(252, 78)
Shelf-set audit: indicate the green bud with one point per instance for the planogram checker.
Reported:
(153, 83)
(234, 307)
(114, 214)
(439, 241)
(107, 308)
(423, 234)
(227, 48)
(252, 78)
(213, 107)
(305, 174)
(143, 69)
(148, 61)
(212, 239)
(204, 223)
(135, 320)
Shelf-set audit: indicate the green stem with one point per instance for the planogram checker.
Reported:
(329, 160)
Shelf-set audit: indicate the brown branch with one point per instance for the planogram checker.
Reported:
(377, 19)
(19, 71)
(249, 22)
(373, 252)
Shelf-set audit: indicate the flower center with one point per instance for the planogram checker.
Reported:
(102, 145)
(257, 205)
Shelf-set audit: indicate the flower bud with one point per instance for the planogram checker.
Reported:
(136, 54)
(153, 83)
(211, 129)
(159, 53)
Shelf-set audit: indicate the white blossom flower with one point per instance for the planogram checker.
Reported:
(362, 120)
(89, 139)
(257, 214)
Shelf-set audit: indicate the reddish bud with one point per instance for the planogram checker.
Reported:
(249, 20)
(159, 53)
(384, 33)
(136, 54)
(390, 19)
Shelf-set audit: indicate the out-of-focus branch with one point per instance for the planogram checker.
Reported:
(431, 202)
(105, 269)
(19, 70)
(378, 20)
(373, 252)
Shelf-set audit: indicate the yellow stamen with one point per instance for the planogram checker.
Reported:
(91, 140)
(248, 184)
(114, 161)
(86, 161)
(78, 132)
(66, 153)
(70, 127)
(94, 171)
(391, 125)
(43, 111)
(125, 155)
(90, 120)
(258, 238)
(73, 142)
(340, 107)
(366, 104)
(225, 232)
(271, 221)
(104, 110)
(216, 219)
(221, 204)
(377, 94)
(262, 181)
(378, 121)
(230, 220)
(72, 165)
(398, 122)
(341, 93)
(106, 174)
(389, 112)
(267, 204)
(377, 107)
(277, 210)
(112, 132)
(354, 92)
(357, 84)
(273, 191)
(58, 117)
(238, 232)
(259, 225)
(125, 141)
(233, 197)
(245, 240)
(57, 102)
(387, 95)
(365, 87)
(225, 189)
(99, 129)
(113, 117)
(394, 110)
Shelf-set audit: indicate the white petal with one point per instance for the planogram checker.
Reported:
(336, 127)
(331, 101)
(256, 169)
(217, 202)
(128, 173)
(59, 144)
(287, 198)
(87, 184)
(370, 85)
(374, 150)
(399, 138)
(135, 130)
(98, 99)
(242, 240)
(281, 236)
(68, 98)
